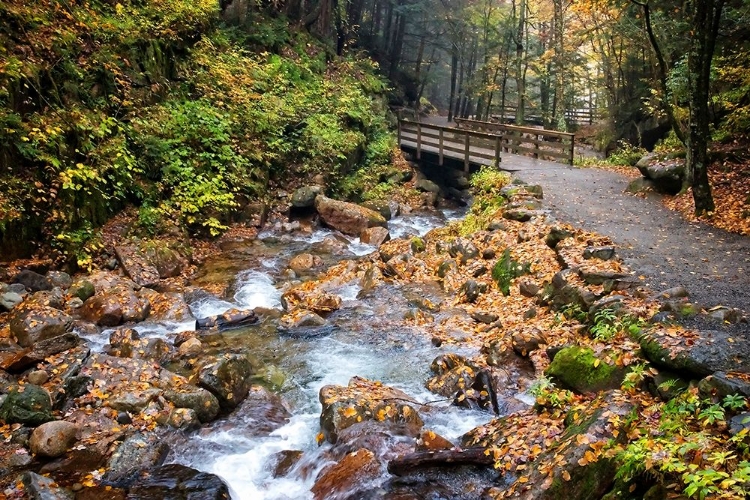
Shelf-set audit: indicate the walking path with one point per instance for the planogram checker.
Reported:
(655, 242)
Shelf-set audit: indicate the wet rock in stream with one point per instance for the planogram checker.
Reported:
(178, 482)
(367, 400)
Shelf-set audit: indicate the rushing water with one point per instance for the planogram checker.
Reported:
(366, 339)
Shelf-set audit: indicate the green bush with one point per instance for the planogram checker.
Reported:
(506, 270)
(626, 154)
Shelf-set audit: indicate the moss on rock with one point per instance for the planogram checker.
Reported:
(581, 370)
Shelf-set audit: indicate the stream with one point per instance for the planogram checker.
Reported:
(366, 338)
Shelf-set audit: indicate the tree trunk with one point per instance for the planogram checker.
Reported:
(454, 75)
(705, 27)
(398, 43)
(520, 74)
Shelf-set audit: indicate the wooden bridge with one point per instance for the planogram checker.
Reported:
(481, 143)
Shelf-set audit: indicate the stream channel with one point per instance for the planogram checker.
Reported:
(366, 337)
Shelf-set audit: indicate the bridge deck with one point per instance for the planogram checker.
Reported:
(481, 144)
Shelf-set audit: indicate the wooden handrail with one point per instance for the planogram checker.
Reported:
(513, 138)
(423, 135)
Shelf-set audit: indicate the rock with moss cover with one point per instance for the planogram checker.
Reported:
(347, 217)
(579, 369)
(697, 354)
(576, 468)
(27, 404)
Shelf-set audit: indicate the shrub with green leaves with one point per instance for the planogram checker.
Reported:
(506, 269)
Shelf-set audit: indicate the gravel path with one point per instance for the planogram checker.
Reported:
(653, 241)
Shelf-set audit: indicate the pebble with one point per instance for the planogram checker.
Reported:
(38, 377)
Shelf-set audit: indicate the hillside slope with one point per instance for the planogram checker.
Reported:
(163, 106)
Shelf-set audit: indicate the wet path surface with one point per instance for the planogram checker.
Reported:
(655, 242)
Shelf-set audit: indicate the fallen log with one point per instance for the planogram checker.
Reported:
(406, 464)
(233, 318)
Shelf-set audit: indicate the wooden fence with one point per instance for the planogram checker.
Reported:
(462, 144)
(540, 143)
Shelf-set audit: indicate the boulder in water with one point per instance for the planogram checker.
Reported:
(347, 217)
(114, 306)
(375, 236)
(228, 378)
(347, 477)
(364, 400)
(178, 482)
(305, 262)
(137, 453)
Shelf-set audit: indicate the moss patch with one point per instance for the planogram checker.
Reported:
(579, 369)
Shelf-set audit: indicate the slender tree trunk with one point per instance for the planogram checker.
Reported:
(705, 27)
(663, 70)
(559, 63)
(398, 43)
(454, 75)
(520, 74)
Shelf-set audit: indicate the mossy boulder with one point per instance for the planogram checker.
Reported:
(579, 369)
(27, 404)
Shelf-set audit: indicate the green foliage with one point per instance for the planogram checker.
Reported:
(107, 121)
(548, 396)
(690, 449)
(79, 246)
(486, 185)
(506, 269)
(626, 154)
(607, 325)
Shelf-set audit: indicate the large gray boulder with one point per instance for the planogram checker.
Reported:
(304, 197)
(33, 282)
(136, 266)
(666, 176)
(697, 354)
(33, 323)
(137, 453)
(347, 217)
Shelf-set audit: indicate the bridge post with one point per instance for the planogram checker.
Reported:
(419, 141)
(440, 152)
(399, 129)
(466, 152)
(572, 149)
(536, 146)
(497, 152)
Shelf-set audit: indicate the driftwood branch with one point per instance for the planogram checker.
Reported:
(412, 462)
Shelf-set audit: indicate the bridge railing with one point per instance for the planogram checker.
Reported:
(540, 143)
(463, 144)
